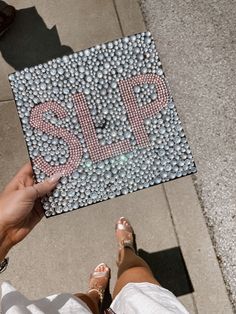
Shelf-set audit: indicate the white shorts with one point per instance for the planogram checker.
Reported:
(140, 298)
(134, 298)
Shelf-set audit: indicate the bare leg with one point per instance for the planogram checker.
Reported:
(131, 268)
(91, 299)
(97, 285)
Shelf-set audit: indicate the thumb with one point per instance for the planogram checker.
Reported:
(43, 188)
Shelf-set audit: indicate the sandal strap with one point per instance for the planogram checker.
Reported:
(120, 227)
(98, 274)
(99, 291)
(127, 244)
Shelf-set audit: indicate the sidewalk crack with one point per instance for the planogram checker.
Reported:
(118, 18)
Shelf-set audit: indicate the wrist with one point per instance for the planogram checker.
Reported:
(5, 245)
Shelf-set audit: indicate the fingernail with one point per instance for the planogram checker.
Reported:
(55, 178)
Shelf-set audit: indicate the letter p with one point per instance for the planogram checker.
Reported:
(137, 114)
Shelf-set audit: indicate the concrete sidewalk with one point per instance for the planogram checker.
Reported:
(197, 42)
(61, 252)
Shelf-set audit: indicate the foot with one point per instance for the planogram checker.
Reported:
(124, 234)
(99, 280)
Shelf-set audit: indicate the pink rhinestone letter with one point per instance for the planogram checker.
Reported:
(137, 114)
(75, 150)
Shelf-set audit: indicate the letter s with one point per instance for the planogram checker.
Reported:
(75, 149)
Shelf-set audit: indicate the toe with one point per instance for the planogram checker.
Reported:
(123, 219)
(100, 267)
(125, 222)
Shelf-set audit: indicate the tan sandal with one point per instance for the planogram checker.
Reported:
(99, 274)
(123, 243)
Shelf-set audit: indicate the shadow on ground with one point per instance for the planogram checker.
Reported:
(169, 269)
(29, 42)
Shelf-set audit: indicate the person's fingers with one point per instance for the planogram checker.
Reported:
(23, 177)
(35, 216)
(43, 188)
(25, 170)
(38, 208)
